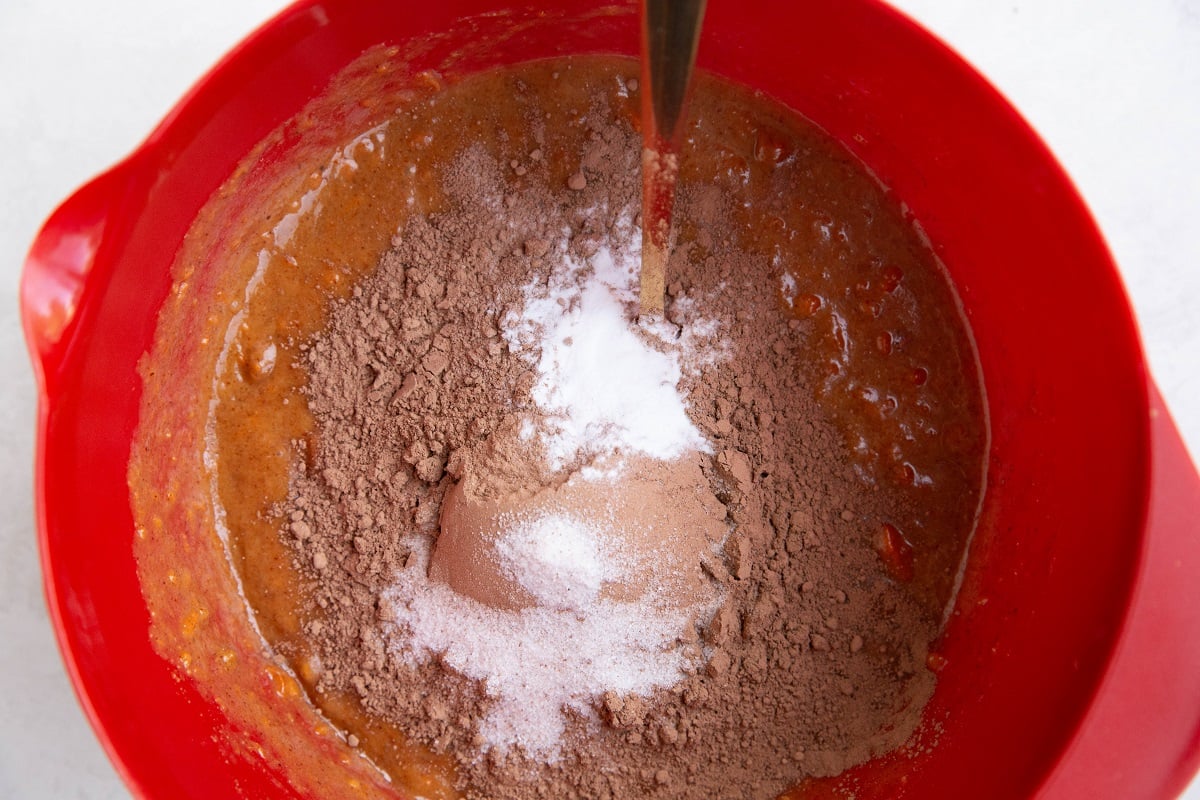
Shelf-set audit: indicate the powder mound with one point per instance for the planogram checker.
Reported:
(558, 559)
(540, 662)
(456, 509)
(600, 389)
(639, 536)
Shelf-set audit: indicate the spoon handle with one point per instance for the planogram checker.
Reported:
(670, 35)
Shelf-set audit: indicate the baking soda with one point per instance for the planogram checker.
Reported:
(559, 559)
(539, 662)
(604, 387)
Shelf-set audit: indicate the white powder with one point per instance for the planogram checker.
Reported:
(558, 559)
(538, 662)
(787, 285)
(604, 386)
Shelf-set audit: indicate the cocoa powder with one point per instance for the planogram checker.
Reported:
(815, 660)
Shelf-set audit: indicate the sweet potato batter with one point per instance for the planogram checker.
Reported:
(889, 360)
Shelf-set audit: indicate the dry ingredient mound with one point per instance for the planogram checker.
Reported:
(811, 660)
(640, 536)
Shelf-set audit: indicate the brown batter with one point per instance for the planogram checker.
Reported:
(884, 352)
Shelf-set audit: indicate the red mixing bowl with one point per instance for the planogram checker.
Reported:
(1073, 658)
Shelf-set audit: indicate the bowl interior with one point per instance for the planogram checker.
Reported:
(1060, 534)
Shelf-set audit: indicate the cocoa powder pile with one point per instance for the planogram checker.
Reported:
(813, 660)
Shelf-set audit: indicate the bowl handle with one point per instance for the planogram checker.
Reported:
(1141, 738)
(61, 259)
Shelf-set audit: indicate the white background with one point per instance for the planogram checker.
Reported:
(1112, 85)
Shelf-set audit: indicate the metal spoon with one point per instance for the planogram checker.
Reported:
(670, 35)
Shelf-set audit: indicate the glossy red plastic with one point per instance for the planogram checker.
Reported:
(1073, 658)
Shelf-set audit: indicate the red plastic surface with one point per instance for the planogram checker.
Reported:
(1074, 654)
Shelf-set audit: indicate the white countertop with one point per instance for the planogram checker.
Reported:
(1113, 86)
